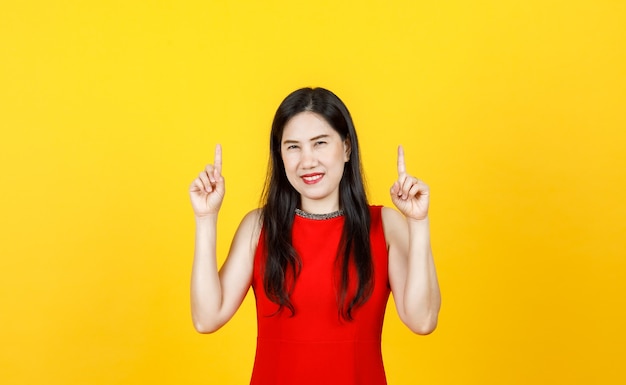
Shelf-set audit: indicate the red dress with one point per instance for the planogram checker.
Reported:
(317, 346)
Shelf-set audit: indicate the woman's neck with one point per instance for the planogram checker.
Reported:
(319, 207)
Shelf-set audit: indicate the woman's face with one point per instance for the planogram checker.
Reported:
(314, 156)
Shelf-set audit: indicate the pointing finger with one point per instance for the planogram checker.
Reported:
(218, 159)
(401, 165)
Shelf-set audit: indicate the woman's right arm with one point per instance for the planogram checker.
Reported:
(216, 296)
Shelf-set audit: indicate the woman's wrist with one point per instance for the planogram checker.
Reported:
(206, 219)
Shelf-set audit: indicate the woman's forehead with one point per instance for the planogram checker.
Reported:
(305, 126)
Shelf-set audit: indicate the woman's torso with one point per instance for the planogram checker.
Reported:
(316, 345)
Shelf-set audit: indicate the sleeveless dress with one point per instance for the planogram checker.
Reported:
(316, 345)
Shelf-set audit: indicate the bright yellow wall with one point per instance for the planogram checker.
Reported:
(513, 112)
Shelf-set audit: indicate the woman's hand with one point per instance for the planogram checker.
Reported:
(409, 194)
(207, 190)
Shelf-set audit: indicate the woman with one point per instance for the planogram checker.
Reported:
(320, 260)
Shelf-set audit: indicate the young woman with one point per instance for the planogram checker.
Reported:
(320, 260)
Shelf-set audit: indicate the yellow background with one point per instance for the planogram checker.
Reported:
(512, 111)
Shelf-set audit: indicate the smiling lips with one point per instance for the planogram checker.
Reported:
(312, 178)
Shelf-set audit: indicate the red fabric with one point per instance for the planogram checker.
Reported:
(316, 346)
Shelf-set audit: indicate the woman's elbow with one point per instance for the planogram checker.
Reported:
(205, 326)
(424, 329)
(205, 329)
(422, 326)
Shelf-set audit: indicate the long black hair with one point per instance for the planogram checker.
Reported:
(280, 200)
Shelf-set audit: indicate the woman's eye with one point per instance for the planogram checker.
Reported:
(320, 142)
(292, 147)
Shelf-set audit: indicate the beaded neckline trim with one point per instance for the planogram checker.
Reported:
(318, 217)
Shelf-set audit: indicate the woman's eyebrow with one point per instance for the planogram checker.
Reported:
(319, 137)
(292, 141)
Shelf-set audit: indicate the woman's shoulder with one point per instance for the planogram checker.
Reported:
(251, 224)
(388, 214)
(393, 221)
(254, 218)
(390, 218)
(253, 215)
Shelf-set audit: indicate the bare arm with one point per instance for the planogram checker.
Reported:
(412, 273)
(216, 296)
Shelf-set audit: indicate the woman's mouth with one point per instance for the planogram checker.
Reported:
(312, 178)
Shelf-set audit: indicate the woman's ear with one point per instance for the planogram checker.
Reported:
(347, 149)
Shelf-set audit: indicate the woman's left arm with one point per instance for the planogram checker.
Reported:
(412, 273)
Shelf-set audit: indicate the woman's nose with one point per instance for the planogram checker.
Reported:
(309, 159)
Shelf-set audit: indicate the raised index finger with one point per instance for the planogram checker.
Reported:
(217, 162)
(401, 165)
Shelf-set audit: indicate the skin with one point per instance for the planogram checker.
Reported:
(314, 156)
(314, 160)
